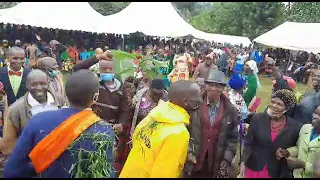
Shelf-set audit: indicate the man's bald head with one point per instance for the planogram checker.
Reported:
(182, 93)
(80, 88)
(15, 50)
(16, 57)
(37, 85)
(106, 66)
(34, 74)
(47, 63)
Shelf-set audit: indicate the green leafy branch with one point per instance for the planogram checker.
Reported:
(124, 66)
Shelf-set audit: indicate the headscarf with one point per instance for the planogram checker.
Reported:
(237, 82)
(253, 66)
(287, 97)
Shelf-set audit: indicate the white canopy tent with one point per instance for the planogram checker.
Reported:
(150, 18)
(61, 15)
(160, 19)
(293, 36)
(221, 38)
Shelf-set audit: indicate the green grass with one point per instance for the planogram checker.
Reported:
(264, 92)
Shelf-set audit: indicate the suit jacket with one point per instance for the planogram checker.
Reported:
(259, 150)
(225, 146)
(4, 78)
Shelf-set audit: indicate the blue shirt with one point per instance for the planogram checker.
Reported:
(258, 57)
(312, 134)
(253, 55)
(39, 126)
(213, 111)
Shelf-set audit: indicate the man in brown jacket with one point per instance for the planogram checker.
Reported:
(203, 69)
(213, 133)
(37, 99)
(50, 66)
(112, 104)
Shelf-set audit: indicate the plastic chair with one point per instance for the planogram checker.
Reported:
(84, 56)
(87, 55)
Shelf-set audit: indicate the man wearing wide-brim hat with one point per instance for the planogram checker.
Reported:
(214, 139)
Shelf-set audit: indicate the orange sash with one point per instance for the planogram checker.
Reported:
(52, 146)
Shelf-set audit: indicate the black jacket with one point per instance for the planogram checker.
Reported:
(4, 78)
(304, 110)
(259, 150)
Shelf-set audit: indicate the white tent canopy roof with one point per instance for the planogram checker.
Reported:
(160, 19)
(221, 38)
(61, 15)
(150, 18)
(293, 36)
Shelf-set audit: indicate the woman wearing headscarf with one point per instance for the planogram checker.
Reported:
(237, 83)
(146, 99)
(251, 71)
(268, 132)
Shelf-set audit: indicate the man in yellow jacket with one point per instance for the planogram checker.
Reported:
(160, 141)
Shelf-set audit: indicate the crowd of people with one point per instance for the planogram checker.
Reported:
(198, 125)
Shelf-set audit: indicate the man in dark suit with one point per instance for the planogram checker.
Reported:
(213, 133)
(13, 77)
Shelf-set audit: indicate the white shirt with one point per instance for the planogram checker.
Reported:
(38, 107)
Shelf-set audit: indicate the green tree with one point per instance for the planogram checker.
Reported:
(185, 9)
(243, 19)
(203, 21)
(308, 12)
(108, 8)
(7, 4)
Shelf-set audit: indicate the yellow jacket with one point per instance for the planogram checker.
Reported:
(160, 144)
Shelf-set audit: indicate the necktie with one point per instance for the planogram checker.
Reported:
(11, 73)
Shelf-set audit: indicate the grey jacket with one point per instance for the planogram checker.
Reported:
(19, 112)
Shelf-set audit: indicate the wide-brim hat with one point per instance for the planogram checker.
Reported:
(216, 76)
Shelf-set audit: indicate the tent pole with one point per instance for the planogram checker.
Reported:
(123, 42)
(288, 65)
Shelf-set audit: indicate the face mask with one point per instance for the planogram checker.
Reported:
(107, 76)
(53, 73)
(273, 114)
